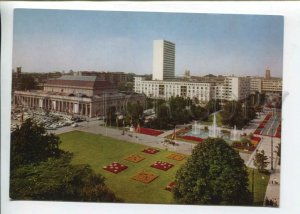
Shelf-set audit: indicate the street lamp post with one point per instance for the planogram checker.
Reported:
(272, 131)
(252, 183)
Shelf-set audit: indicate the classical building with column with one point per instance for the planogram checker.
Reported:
(77, 95)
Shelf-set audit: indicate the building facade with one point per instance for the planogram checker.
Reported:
(236, 88)
(267, 84)
(256, 84)
(163, 60)
(167, 89)
(87, 96)
(232, 88)
(273, 85)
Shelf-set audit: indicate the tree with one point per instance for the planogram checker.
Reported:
(149, 103)
(260, 161)
(111, 115)
(56, 179)
(214, 174)
(213, 105)
(233, 114)
(179, 111)
(27, 82)
(163, 118)
(134, 111)
(41, 171)
(278, 152)
(199, 113)
(30, 144)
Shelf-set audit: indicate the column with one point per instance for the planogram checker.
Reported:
(58, 105)
(90, 110)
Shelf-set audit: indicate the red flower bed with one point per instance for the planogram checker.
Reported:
(115, 167)
(258, 139)
(197, 139)
(162, 165)
(278, 131)
(262, 124)
(257, 131)
(170, 186)
(148, 131)
(150, 151)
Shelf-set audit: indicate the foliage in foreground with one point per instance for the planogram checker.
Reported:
(31, 144)
(215, 174)
(41, 171)
(56, 179)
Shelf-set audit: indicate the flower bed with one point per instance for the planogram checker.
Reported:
(150, 151)
(197, 139)
(244, 147)
(134, 158)
(148, 131)
(263, 124)
(162, 165)
(170, 186)
(255, 139)
(278, 131)
(144, 177)
(115, 167)
(177, 157)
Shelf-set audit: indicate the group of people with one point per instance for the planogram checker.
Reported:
(274, 181)
(271, 202)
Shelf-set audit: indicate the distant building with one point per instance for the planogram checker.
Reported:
(112, 77)
(167, 89)
(235, 88)
(163, 60)
(77, 95)
(267, 84)
(16, 79)
(273, 85)
(164, 84)
(268, 74)
(256, 84)
(232, 88)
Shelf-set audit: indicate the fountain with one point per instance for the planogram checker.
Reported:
(196, 128)
(214, 131)
(235, 135)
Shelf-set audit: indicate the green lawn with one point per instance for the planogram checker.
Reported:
(99, 151)
(260, 185)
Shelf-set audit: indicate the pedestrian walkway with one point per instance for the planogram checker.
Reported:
(273, 188)
(169, 132)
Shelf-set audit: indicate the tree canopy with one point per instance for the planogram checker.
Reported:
(56, 179)
(214, 174)
(27, 82)
(30, 144)
(41, 171)
(177, 110)
(260, 161)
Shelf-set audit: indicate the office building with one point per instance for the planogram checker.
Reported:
(163, 60)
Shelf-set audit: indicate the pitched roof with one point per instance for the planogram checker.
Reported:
(92, 82)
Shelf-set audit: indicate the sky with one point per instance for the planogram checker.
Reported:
(57, 40)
